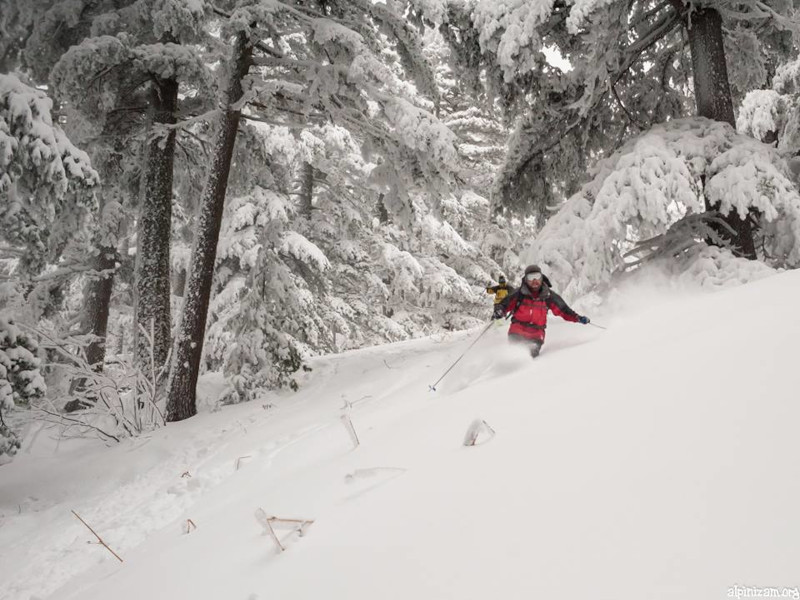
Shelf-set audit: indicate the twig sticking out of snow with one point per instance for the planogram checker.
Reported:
(239, 460)
(297, 525)
(99, 539)
(273, 535)
(190, 526)
(475, 431)
(348, 425)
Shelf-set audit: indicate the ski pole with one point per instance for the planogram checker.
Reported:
(596, 325)
(475, 341)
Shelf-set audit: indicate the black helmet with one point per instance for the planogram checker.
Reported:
(537, 269)
(532, 269)
(502, 279)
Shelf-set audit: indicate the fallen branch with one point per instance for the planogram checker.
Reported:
(99, 539)
(297, 525)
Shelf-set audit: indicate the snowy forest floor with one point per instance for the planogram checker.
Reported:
(657, 459)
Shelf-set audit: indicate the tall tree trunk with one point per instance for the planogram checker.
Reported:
(98, 288)
(188, 347)
(380, 206)
(97, 303)
(97, 292)
(152, 287)
(179, 282)
(94, 320)
(306, 189)
(713, 96)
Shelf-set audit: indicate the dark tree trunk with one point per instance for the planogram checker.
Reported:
(94, 320)
(383, 214)
(713, 96)
(179, 282)
(97, 303)
(152, 287)
(188, 347)
(119, 348)
(100, 284)
(97, 292)
(306, 189)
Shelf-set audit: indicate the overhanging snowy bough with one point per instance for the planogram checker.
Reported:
(649, 200)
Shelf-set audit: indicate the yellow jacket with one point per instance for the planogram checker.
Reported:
(500, 291)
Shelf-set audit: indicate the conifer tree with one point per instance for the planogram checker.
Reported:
(188, 348)
(131, 52)
(39, 169)
(329, 70)
(20, 379)
(627, 75)
(37, 165)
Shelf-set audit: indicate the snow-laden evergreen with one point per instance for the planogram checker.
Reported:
(140, 53)
(630, 70)
(46, 201)
(20, 379)
(39, 212)
(296, 280)
(656, 182)
(773, 115)
(35, 152)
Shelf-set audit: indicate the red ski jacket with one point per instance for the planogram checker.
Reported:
(529, 309)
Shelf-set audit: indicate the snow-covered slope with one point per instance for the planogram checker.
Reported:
(657, 459)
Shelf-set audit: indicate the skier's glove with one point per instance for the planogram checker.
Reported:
(584, 320)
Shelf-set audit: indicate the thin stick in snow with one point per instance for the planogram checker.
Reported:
(266, 522)
(99, 539)
(348, 425)
(190, 526)
(239, 460)
(298, 525)
(274, 536)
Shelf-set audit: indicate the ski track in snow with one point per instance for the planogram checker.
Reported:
(164, 494)
(125, 515)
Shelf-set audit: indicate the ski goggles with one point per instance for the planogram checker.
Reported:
(533, 277)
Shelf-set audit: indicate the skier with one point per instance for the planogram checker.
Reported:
(500, 292)
(528, 308)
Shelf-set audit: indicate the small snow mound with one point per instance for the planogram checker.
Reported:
(479, 432)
